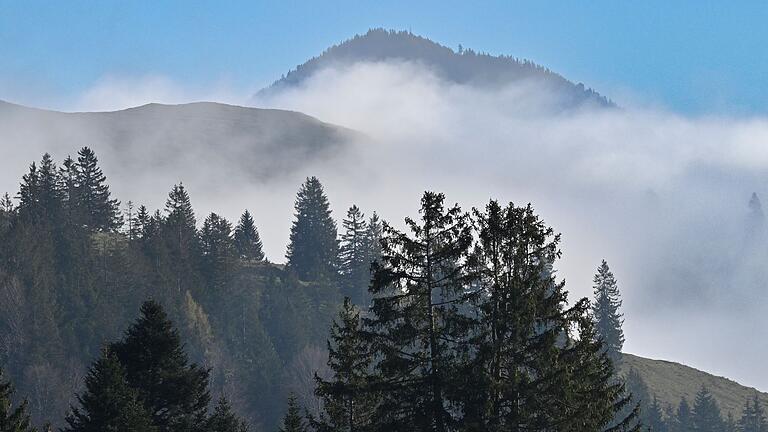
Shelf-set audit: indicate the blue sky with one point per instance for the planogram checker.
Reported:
(690, 56)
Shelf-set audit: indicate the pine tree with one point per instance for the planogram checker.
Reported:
(417, 325)
(706, 413)
(683, 421)
(219, 256)
(653, 418)
(313, 248)
(247, 240)
(753, 417)
(173, 391)
(355, 268)
(606, 307)
(108, 403)
(98, 210)
(293, 421)
(224, 419)
(12, 419)
(348, 400)
(181, 237)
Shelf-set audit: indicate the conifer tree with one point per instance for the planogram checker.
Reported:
(706, 416)
(218, 257)
(108, 403)
(293, 421)
(354, 266)
(683, 421)
(181, 236)
(730, 424)
(753, 417)
(172, 390)
(224, 419)
(419, 287)
(373, 238)
(99, 211)
(605, 308)
(348, 400)
(247, 240)
(653, 417)
(12, 419)
(313, 248)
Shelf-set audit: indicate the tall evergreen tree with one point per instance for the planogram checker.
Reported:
(706, 413)
(12, 419)
(753, 417)
(526, 362)
(181, 237)
(219, 256)
(313, 248)
(605, 308)
(224, 419)
(173, 391)
(348, 400)
(293, 421)
(683, 420)
(247, 240)
(418, 328)
(355, 268)
(108, 403)
(653, 417)
(99, 211)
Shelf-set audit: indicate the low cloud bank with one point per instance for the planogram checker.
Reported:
(663, 197)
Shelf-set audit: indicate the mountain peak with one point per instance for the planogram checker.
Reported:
(464, 66)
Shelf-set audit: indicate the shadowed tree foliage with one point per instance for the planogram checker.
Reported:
(293, 421)
(348, 399)
(173, 391)
(12, 419)
(108, 403)
(706, 416)
(92, 200)
(313, 248)
(753, 417)
(354, 264)
(224, 419)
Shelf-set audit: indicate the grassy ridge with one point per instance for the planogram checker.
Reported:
(671, 381)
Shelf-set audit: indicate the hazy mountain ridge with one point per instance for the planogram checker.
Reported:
(264, 142)
(670, 381)
(463, 67)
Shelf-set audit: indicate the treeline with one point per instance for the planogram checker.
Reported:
(74, 268)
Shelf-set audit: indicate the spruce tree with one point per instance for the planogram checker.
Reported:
(181, 237)
(108, 403)
(753, 416)
(683, 421)
(224, 419)
(98, 210)
(218, 249)
(653, 417)
(526, 362)
(313, 248)
(348, 399)
(293, 421)
(605, 308)
(172, 390)
(12, 419)
(247, 240)
(354, 266)
(416, 321)
(706, 416)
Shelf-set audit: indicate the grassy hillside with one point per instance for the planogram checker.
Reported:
(671, 381)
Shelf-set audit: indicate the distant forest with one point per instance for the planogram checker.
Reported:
(114, 317)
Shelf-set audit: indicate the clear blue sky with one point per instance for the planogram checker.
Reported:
(692, 56)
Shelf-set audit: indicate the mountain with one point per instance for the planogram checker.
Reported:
(213, 137)
(463, 67)
(671, 381)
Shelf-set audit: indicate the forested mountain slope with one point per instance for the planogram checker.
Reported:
(671, 381)
(463, 67)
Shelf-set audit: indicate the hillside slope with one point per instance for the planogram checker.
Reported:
(262, 143)
(464, 67)
(671, 381)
